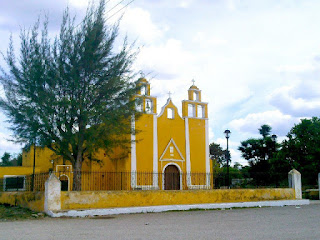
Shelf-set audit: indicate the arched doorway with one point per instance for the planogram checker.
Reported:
(171, 178)
(64, 182)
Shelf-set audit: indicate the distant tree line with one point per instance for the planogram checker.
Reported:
(8, 160)
(269, 161)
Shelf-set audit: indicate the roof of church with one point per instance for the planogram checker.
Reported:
(143, 80)
(194, 87)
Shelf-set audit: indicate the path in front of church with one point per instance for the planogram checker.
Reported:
(301, 222)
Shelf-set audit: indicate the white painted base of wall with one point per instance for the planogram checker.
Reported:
(165, 208)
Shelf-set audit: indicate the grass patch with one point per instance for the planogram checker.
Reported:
(12, 213)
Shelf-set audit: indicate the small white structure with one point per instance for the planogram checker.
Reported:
(295, 182)
(319, 183)
(52, 200)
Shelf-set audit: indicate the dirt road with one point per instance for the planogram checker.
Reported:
(255, 223)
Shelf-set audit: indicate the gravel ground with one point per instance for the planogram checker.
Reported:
(301, 222)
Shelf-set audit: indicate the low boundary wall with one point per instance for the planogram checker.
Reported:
(31, 200)
(116, 199)
(54, 200)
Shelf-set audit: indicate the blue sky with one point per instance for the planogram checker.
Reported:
(256, 62)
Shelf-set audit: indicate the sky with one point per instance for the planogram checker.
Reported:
(256, 62)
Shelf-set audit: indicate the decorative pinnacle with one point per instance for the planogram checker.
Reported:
(193, 81)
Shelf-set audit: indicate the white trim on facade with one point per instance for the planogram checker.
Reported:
(163, 175)
(155, 152)
(68, 167)
(133, 154)
(171, 160)
(192, 101)
(164, 107)
(175, 145)
(68, 180)
(13, 176)
(207, 153)
(188, 162)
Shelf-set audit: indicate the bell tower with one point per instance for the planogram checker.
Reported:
(193, 107)
(144, 155)
(145, 103)
(195, 115)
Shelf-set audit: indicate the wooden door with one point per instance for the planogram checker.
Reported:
(171, 178)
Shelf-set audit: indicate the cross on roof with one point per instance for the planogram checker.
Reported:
(169, 94)
(193, 81)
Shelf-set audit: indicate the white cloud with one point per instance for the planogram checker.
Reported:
(79, 3)
(299, 100)
(296, 68)
(280, 123)
(7, 146)
(168, 59)
(185, 3)
(138, 23)
(230, 5)
(206, 39)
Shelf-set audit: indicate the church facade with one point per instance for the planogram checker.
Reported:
(172, 148)
(170, 143)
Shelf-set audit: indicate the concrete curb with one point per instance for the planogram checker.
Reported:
(165, 208)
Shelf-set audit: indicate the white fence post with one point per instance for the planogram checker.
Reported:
(52, 201)
(295, 182)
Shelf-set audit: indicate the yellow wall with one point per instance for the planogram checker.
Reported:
(31, 200)
(42, 158)
(17, 171)
(111, 199)
(144, 144)
(197, 135)
(171, 129)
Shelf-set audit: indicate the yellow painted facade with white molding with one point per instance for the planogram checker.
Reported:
(169, 143)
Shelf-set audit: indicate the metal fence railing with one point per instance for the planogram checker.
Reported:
(116, 181)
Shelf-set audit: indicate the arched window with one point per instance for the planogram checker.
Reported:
(200, 112)
(143, 90)
(195, 96)
(170, 113)
(149, 106)
(191, 110)
(138, 105)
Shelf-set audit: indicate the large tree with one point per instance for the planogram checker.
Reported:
(255, 150)
(301, 149)
(259, 152)
(74, 94)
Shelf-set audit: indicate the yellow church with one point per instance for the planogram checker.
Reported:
(169, 151)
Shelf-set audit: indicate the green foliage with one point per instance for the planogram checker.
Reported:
(265, 130)
(73, 95)
(218, 155)
(261, 155)
(11, 160)
(6, 159)
(13, 213)
(302, 149)
(256, 150)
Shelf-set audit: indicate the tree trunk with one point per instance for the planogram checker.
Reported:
(77, 174)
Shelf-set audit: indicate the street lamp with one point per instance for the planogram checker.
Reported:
(52, 162)
(274, 139)
(227, 134)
